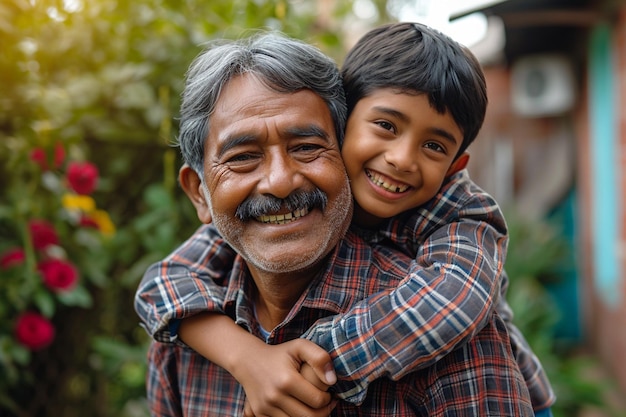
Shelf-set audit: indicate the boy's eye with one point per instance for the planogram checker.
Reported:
(435, 147)
(386, 125)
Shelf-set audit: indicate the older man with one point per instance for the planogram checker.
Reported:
(260, 127)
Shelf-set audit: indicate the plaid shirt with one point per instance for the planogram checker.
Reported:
(458, 241)
(479, 378)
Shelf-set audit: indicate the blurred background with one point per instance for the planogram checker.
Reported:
(89, 94)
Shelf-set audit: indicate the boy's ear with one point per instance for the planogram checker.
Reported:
(459, 164)
(192, 185)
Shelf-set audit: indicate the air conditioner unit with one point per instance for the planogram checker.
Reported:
(542, 85)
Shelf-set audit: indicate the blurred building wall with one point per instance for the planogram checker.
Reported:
(602, 247)
(534, 163)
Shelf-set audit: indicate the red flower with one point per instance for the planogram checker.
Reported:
(12, 257)
(39, 156)
(88, 222)
(43, 234)
(58, 275)
(82, 177)
(34, 331)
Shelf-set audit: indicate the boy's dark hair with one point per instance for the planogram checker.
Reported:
(414, 58)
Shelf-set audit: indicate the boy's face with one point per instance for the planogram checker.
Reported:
(398, 150)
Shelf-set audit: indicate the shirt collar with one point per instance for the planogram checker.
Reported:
(338, 286)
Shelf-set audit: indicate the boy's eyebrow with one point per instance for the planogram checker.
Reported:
(444, 134)
(392, 112)
(397, 114)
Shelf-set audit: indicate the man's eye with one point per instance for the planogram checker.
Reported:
(243, 157)
(306, 147)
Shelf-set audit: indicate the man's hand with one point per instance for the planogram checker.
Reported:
(289, 379)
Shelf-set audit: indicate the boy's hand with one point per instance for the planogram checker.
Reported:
(274, 385)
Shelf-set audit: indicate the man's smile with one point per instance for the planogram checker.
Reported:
(283, 218)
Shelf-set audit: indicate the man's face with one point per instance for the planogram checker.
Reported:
(398, 150)
(267, 145)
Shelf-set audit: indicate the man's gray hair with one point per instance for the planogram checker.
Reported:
(284, 64)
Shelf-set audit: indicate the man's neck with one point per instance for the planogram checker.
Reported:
(277, 294)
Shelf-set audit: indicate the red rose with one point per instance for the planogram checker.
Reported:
(58, 275)
(39, 156)
(88, 222)
(82, 177)
(34, 331)
(43, 234)
(12, 257)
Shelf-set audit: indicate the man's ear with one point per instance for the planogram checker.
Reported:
(459, 164)
(192, 185)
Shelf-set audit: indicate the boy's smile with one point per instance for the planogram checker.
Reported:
(398, 150)
(386, 183)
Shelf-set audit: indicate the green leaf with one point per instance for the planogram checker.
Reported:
(78, 297)
(44, 302)
(20, 354)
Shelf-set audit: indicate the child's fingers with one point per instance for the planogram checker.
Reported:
(290, 407)
(247, 409)
(319, 360)
(308, 372)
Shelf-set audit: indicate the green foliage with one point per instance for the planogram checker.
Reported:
(102, 80)
(537, 254)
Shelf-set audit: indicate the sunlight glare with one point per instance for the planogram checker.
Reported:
(364, 9)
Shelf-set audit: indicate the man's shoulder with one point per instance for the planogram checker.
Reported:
(204, 252)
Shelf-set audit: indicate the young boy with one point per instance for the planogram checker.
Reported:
(416, 100)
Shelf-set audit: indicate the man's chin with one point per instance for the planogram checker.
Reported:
(287, 256)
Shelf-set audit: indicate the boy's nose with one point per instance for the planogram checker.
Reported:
(401, 157)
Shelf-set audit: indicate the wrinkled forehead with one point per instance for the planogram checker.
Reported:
(248, 109)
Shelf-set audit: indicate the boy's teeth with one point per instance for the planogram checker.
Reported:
(382, 183)
(283, 218)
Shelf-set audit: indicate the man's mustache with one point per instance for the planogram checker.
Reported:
(260, 205)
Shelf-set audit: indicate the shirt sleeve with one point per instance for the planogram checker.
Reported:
(189, 281)
(446, 299)
(162, 385)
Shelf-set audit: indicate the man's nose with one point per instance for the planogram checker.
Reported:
(282, 175)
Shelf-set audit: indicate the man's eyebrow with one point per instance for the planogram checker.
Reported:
(310, 130)
(232, 141)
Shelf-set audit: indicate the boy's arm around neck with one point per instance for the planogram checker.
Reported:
(446, 298)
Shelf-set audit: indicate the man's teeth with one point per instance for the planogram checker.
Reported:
(394, 188)
(283, 218)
